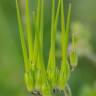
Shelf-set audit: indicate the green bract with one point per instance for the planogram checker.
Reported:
(37, 76)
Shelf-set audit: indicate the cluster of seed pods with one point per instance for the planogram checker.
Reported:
(39, 80)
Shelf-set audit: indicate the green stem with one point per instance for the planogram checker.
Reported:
(42, 79)
(36, 32)
(51, 62)
(65, 36)
(42, 23)
(65, 70)
(29, 31)
(27, 74)
(25, 55)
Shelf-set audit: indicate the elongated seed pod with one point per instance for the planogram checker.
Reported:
(42, 23)
(73, 53)
(29, 81)
(40, 73)
(36, 32)
(51, 70)
(31, 72)
(51, 61)
(65, 70)
(29, 31)
(55, 78)
(24, 49)
(28, 76)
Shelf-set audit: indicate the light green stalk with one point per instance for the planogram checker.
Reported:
(31, 74)
(41, 78)
(27, 74)
(36, 48)
(51, 70)
(36, 30)
(42, 23)
(51, 61)
(25, 55)
(29, 31)
(55, 78)
(73, 54)
(65, 71)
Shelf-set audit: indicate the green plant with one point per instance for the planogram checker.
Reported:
(37, 79)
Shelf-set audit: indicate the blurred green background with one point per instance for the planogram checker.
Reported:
(83, 20)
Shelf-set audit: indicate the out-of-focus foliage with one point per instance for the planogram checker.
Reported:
(11, 61)
(88, 91)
